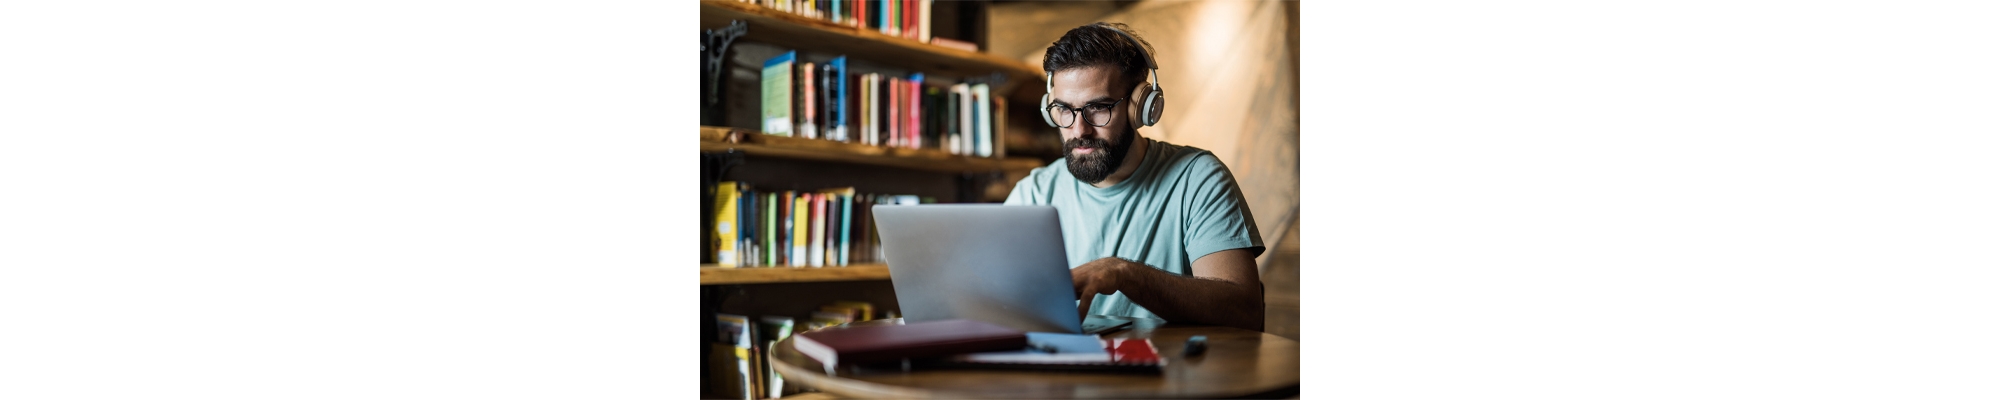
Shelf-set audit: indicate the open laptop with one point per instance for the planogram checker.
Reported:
(1000, 264)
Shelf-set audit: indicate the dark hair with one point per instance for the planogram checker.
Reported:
(1099, 45)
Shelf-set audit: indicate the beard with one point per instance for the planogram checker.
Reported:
(1094, 167)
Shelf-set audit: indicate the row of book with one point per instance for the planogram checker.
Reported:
(908, 19)
(828, 101)
(825, 228)
(741, 356)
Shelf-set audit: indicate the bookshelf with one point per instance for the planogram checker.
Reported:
(710, 275)
(723, 139)
(790, 30)
(738, 38)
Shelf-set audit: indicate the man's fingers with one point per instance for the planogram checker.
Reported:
(1083, 310)
(1078, 280)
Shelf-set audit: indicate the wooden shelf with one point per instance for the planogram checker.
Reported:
(819, 36)
(713, 275)
(719, 139)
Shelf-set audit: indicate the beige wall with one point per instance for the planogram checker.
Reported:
(1230, 71)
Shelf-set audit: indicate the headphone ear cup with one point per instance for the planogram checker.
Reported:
(1136, 111)
(1045, 111)
(1156, 105)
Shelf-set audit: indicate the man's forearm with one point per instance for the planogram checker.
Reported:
(1198, 300)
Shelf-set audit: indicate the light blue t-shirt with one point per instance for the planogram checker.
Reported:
(1181, 204)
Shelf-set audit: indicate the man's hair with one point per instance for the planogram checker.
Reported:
(1099, 45)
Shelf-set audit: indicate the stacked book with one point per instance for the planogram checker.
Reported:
(743, 347)
(792, 228)
(833, 102)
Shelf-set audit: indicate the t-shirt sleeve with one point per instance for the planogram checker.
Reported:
(1218, 217)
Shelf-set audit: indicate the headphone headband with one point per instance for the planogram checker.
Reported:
(1150, 64)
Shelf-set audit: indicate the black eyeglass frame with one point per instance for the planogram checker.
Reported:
(1076, 114)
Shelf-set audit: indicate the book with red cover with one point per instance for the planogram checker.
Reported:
(880, 343)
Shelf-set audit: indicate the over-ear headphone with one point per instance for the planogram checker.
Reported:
(1148, 101)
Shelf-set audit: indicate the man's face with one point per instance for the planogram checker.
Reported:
(1093, 152)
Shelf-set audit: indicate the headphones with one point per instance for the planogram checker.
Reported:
(1149, 102)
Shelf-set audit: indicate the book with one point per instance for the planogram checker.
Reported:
(955, 44)
(846, 227)
(913, 101)
(982, 102)
(828, 239)
(772, 329)
(824, 319)
(923, 20)
(746, 227)
(784, 244)
(837, 73)
(724, 236)
(822, 84)
(801, 210)
(895, 106)
(961, 100)
(777, 94)
(817, 231)
(770, 230)
(737, 378)
(882, 343)
(933, 116)
(892, 23)
(867, 109)
(999, 127)
(859, 310)
(1067, 352)
(807, 112)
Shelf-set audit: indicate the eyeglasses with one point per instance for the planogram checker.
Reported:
(1098, 113)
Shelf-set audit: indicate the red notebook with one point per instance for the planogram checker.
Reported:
(879, 343)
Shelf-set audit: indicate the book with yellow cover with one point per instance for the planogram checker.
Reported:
(801, 209)
(725, 238)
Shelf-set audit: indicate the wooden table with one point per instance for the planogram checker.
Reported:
(1238, 363)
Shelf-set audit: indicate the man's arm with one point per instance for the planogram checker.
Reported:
(1224, 289)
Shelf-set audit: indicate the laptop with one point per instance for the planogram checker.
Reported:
(1000, 264)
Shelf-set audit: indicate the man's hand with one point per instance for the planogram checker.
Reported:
(1101, 276)
(1224, 289)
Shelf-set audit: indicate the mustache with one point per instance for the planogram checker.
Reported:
(1072, 144)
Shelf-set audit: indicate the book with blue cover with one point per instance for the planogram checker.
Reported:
(838, 94)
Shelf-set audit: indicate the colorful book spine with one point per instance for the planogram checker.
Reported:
(816, 231)
(868, 109)
(789, 200)
(801, 210)
(807, 104)
(770, 230)
(724, 238)
(846, 227)
(777, 94)
(913, 98)
(746, 226)
(838, 76)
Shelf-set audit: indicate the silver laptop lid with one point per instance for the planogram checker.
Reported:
(1000, 264)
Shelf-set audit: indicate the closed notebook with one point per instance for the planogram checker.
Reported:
(879, 343)
(1067, 352)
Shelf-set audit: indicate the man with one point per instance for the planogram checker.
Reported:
(1155, 229)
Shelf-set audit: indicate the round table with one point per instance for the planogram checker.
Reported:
(1238, 363)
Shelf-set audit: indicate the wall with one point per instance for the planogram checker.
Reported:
(1229, 68)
